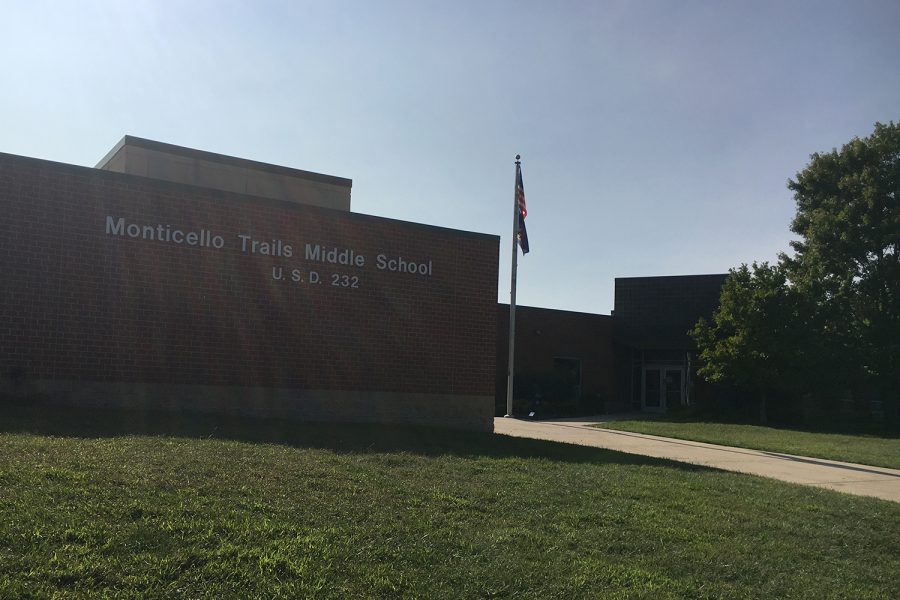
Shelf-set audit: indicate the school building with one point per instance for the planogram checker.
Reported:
(169, 278)
(176, 279)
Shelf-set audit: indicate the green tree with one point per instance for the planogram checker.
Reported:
(847, 261)
(754, 338)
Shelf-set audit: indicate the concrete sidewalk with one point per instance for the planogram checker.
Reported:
(850, 478)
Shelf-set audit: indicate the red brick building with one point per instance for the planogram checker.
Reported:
(171, 278)
(639, 358)
(565, 361)
(657, 357)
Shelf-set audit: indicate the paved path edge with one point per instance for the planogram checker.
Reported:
(850, 478)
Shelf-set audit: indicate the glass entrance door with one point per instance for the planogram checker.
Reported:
(673, 387)
(663, 388)
(652, 397)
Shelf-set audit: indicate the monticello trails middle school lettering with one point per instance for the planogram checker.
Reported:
(164, 233)
(350, 257)
(204, 238)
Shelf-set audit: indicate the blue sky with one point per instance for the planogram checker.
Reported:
(656, 137)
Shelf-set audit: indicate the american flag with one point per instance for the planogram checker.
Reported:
(523, 211)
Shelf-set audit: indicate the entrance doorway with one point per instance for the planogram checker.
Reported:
(662, 388)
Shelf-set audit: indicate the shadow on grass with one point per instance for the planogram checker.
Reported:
(92, 423)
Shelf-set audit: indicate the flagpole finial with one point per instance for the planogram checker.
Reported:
(518, 156)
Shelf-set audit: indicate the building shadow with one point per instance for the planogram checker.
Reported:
(342, 438)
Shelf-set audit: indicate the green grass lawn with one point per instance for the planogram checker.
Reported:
(137, 506)
(870, 449)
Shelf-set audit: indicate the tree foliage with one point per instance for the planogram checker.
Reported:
(752, 341)
(848, 257)
(827, 317)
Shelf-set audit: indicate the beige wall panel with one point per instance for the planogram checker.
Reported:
(136, 161)
(117, 162)
(219, 177)
(175, 168)
(197, 170)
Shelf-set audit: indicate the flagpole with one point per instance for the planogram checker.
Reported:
(512, 296)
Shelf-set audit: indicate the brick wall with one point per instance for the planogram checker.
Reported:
(653, 316)
(78, 304)
(544, 334)
(658, 312)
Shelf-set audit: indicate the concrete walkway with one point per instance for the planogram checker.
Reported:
(850, 478)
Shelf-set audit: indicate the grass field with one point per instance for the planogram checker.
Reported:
(93, 504)
(881, 450)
